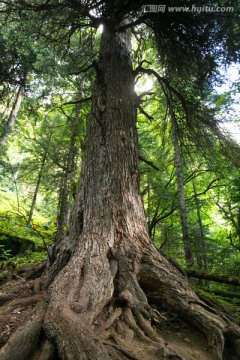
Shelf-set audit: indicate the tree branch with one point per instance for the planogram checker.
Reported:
(232, 280)
(207, 188)
(142, 111)
(149, 163)
(162, 81)
(78, 101)
(145, 93)
(232, 243)
(83, 70)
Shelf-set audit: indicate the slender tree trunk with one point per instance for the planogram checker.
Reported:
(181, 193)
(15, 176)
(202, 247)
(37, 188)
(13, 115)
(238, 224)
(108, 273)
(64, 196)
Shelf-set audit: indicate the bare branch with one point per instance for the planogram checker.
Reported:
(149, 117)
(77, 101)
(148, 163)
(162, 81)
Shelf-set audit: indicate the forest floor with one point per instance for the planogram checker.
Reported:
(21, 293)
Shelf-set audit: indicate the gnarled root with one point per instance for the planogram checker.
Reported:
(25, 341)
(47, 351)
(73, 337)
(143, 312)
(180, 299)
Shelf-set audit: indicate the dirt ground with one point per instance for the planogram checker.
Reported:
(19, 295)
(22, 293)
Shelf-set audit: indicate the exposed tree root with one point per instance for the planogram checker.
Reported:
(32, 272)
(4, 298)
(120, 350)
(24, 302)
(19, 288)
(72, 335)
(187, 305)
(47, 351)
(24, 342)
(138, 321)
(110, 320)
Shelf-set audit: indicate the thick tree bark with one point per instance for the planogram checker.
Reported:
(108, 272)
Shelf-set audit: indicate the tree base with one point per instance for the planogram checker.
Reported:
(146, 317)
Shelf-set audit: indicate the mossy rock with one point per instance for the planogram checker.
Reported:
(17, 245)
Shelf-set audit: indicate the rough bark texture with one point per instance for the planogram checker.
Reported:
(25, 341)
(110, 284)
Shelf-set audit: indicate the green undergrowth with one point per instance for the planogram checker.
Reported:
(15, 227)
(9, 235)
(21, 244)
(12, 265)
(17, 241)
(28, 258)
(228, 301)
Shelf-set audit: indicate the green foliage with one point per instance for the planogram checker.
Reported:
(16, 239)
(228, 302)
(29, 258)
(4, 254)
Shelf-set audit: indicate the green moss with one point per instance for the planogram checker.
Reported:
(229, 304)
(16, 244)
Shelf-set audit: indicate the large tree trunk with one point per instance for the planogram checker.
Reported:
(108, 272)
